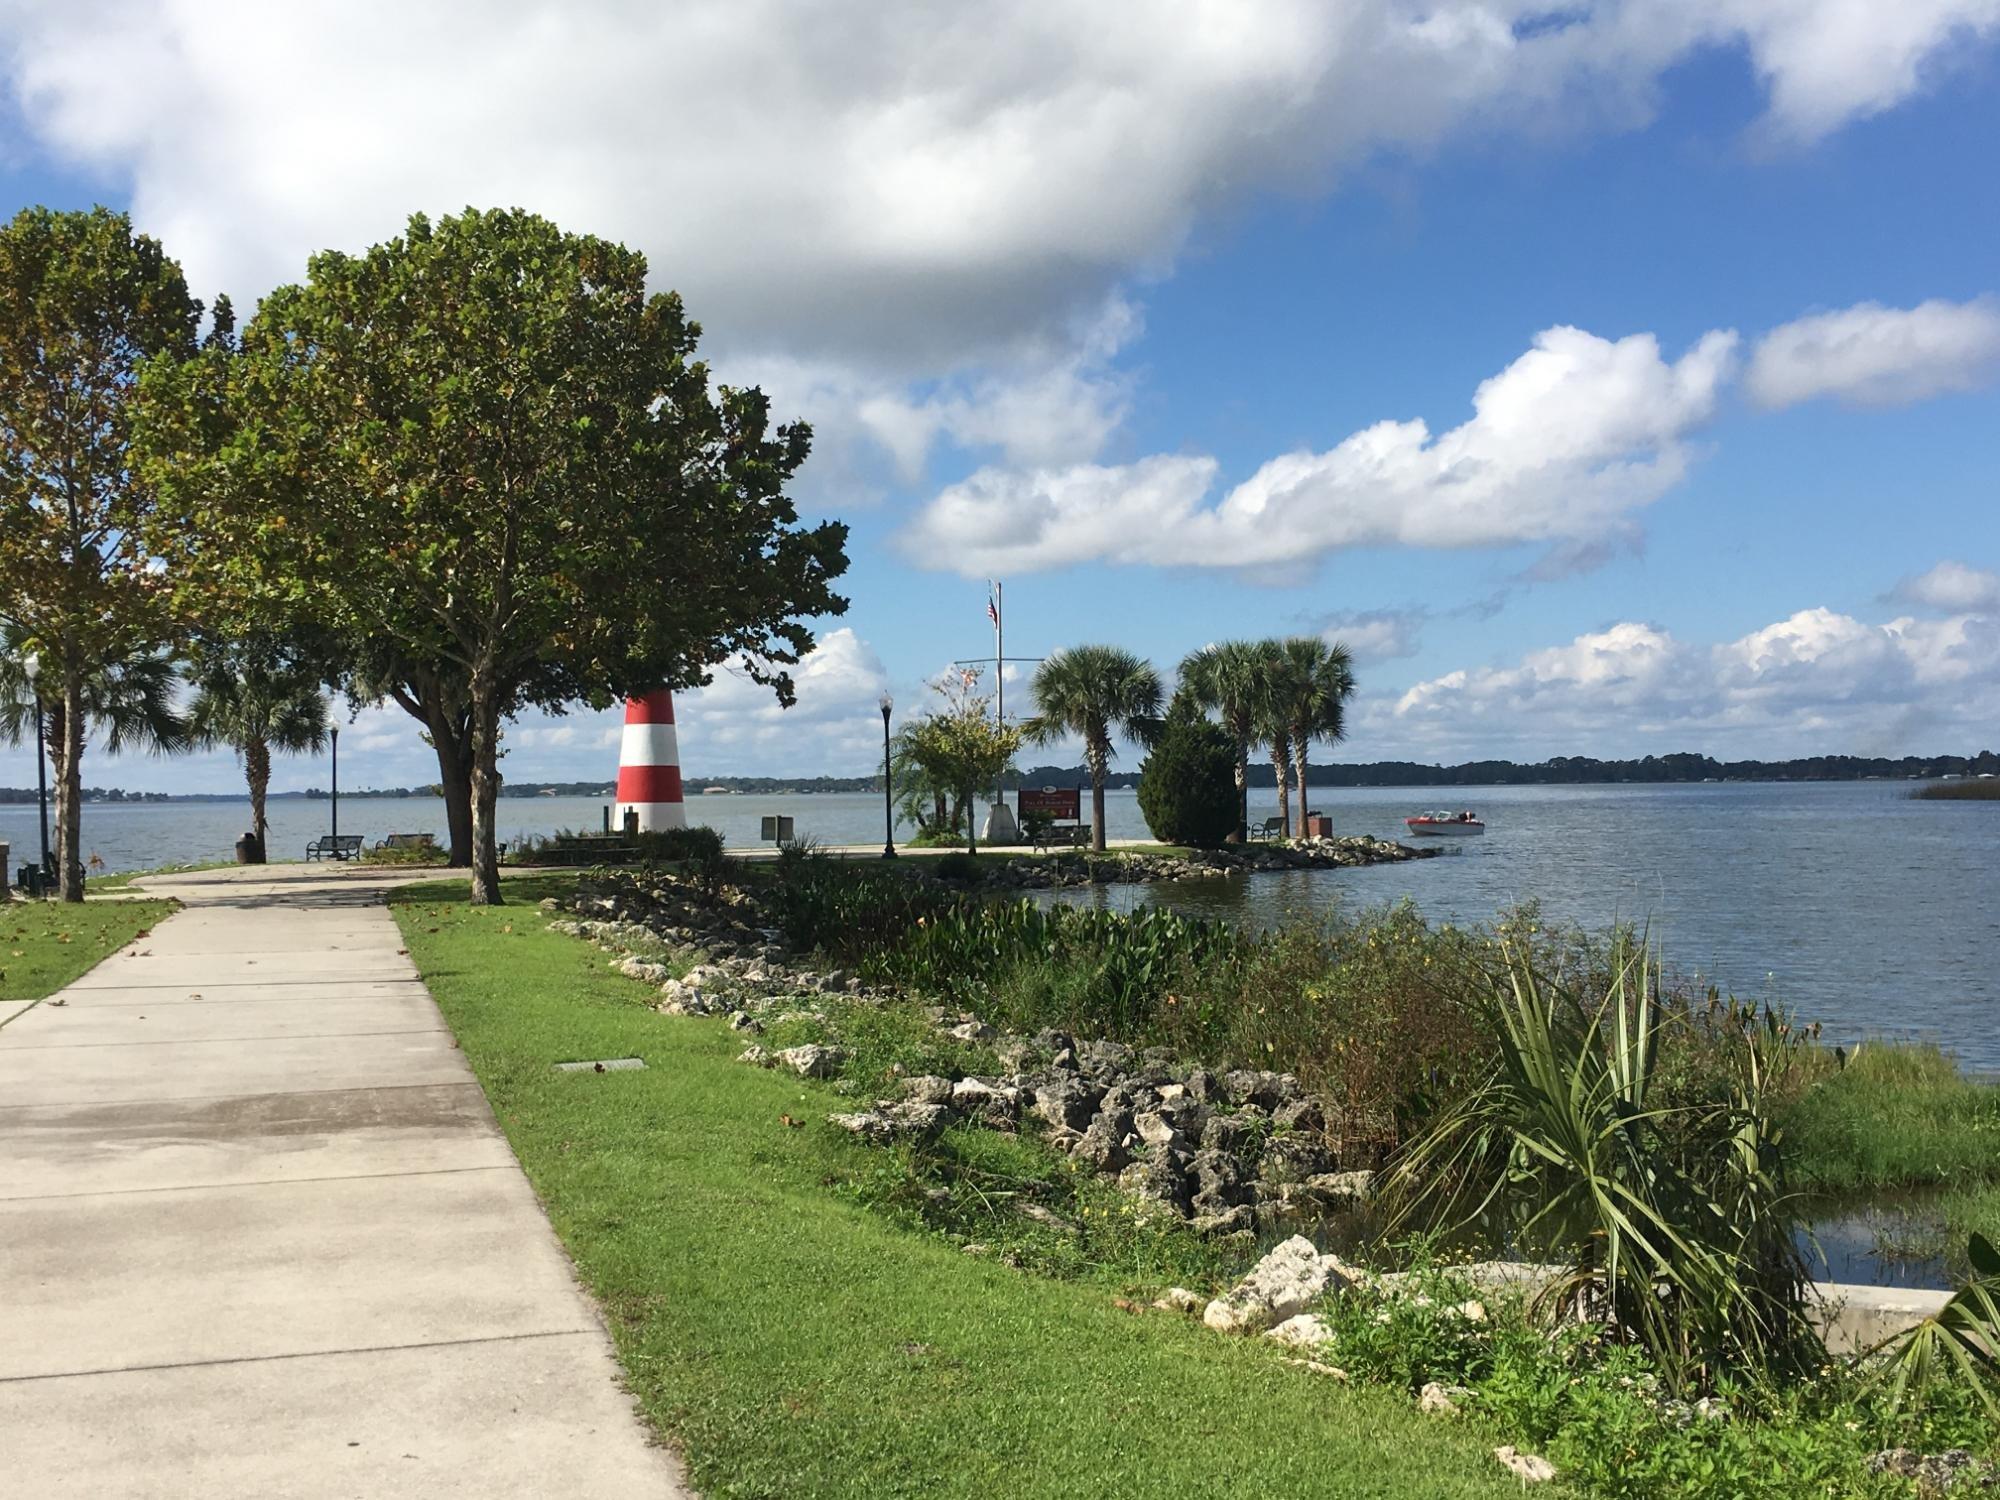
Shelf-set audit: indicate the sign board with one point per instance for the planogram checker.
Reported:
(777, 830)
(1053, 802)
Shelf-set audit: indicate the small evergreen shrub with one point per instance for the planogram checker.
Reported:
(1187, 786)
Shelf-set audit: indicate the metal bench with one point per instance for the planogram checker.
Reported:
(1066, 836)
(1270, 828)
(335, 846)
(408, 841)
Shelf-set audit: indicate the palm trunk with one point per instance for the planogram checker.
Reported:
(1098, 754)
(1242, 791)
(1281, 763)
(69, 787)
(257, 771)
(1301, 748)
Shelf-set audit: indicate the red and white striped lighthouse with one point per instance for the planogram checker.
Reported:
(649, 764)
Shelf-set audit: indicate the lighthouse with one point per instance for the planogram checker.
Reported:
(649, 764)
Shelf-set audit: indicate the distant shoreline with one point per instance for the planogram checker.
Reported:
(1665, 770)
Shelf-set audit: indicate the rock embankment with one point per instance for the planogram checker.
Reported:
(1233, 1151)
(1119, 868)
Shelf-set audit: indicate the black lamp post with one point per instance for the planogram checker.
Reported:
(31, 664)
(336, 784)
(888, 793)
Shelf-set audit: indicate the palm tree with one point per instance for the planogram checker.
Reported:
(1269, 721)
(1318, 680)
(130, 703)
(256, 705)
(1228, 679)
(1094, 692)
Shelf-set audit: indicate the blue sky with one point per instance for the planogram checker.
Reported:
(1051, 289)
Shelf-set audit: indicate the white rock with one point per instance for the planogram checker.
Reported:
(1180, 1299)
(812, 1060)
(1155, 1130)
(1441, 1400)
(1531, 1468)
(1303, 1331)
(1281, 1285)
(1319, 1368)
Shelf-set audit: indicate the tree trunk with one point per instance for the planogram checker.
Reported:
(1281, 763)
(1098, 756)
(455, 781)
(1242, 791)
(485, 795)
(257, 771)
(1301, 748)
(69, 788)
(971, 798)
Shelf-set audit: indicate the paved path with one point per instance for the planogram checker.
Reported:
(260, 1236)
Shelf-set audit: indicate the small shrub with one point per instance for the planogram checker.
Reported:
(698, 844)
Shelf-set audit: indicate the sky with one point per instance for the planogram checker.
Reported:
(1611, 378)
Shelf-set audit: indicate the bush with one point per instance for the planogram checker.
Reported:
(700, 845)
(1187, 786)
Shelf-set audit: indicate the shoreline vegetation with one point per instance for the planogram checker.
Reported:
(1986, 790)
(1221, 1093)
(1563, 770)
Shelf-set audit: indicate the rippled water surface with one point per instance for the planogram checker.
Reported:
(1848, 901)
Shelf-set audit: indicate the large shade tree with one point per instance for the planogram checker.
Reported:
(256, 702)
(1094, 693)
(83, 303)
(485, 445)
(1228, 679)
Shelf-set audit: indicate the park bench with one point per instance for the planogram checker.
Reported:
(335, 846)
(1065, 836)
(409, 841)
(1270, 828)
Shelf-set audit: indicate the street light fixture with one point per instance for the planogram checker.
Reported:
(888, 793)
(31, 665)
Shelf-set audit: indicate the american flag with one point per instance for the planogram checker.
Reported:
(992, 611)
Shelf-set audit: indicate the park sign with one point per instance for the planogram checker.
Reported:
(1056, 803)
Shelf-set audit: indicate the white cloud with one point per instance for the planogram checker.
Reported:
(1563, 445)
(1815, 682)
(735, 725)
(1375, 635)
(883, 192)
(1952, 586)
(1871, 355)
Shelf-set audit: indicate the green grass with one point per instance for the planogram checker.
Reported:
(1959, 791)
(46, 944)
(793, 1340)
(1896, 1116)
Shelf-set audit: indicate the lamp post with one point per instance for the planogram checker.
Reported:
(336, 783)
(31, 664)
(888, 793)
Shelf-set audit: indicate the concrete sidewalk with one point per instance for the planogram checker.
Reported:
(260, 1235)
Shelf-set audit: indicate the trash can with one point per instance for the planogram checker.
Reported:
(1319, 826)
(248, 851)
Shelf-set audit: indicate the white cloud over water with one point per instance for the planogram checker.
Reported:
(1817, 681)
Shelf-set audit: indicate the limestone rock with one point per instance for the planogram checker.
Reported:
(898, 1122)
(1281, 1285)
(1179, 1299)
(1440, 1400)
(996, 1105)
(1530, 1468)
(1303, 1331)
(812, 1060)
(927, 1088)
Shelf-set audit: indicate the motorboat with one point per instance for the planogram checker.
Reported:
(1451, 825)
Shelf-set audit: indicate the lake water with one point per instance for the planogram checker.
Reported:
(1849, 902)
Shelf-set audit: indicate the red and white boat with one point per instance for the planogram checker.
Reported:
(1448, 825)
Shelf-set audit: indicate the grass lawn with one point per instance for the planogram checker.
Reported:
(791, 1342)
(46, 944)
(123, 879)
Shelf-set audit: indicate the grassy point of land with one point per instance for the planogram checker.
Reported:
(791, 1340)
(46, 944)
(1959, 791)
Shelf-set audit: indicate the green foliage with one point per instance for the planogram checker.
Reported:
(1892, 1115)
(1229, 679)
(83, 303)
(404, 854)
(1959, 1344)
(250, 697)
(507, 456)
(696, 844)
(961, 746)
(1677, 1218)
(1187, 785)
(1092, 693)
